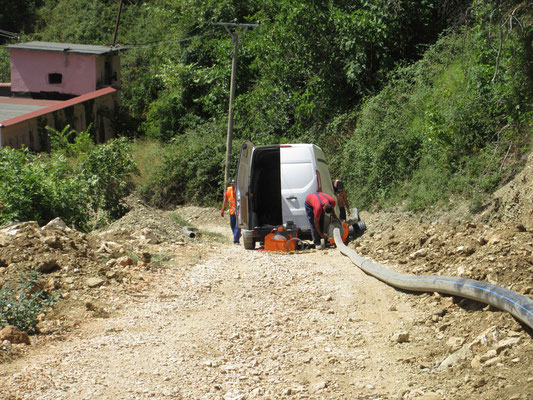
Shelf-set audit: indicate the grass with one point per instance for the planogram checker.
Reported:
(178, 219)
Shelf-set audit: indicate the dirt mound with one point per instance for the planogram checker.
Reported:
(26, 247)
(514, 201)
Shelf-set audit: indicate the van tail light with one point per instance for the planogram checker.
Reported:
(284, 146)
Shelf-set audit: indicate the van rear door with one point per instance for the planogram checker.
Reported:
(243, 184)
(298, 179)
(325, 183)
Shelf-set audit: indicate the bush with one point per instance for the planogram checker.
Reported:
(83, 189)
(191, 169)
(20, 306)
(442, 126)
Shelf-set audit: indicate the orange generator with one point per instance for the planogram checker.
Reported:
(280, 240)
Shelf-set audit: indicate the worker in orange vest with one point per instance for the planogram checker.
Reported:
(229, 199)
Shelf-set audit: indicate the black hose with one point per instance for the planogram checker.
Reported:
(504, 299)
(291, 240)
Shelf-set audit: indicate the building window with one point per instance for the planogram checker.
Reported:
(55, 79)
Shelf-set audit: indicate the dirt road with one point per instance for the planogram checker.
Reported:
(208, 320)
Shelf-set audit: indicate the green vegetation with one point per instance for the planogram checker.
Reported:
(21, 305)
(415, 102)
(79, 181)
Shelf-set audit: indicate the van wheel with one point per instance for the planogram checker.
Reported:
(249, 243)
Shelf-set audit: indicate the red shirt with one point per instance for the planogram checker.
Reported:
(313, 200)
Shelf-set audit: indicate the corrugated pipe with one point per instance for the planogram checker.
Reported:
(189, 231)
(519, 306)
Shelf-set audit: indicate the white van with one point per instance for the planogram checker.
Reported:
(272, 184)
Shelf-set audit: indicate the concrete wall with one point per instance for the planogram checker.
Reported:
(80, 73)
(98, 107)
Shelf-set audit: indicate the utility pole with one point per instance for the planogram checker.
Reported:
(231, 28)
(116, 23)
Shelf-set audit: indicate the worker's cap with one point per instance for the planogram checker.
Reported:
(328, 208)
(232, 181)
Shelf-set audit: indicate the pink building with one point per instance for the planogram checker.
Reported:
(55, 84)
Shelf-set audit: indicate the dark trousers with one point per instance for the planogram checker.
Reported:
(234, 228)
(342, 213)
(311, 218)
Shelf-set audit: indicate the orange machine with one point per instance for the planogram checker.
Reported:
(280, 240)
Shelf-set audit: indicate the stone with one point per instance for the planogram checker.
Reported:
(507, 343)
(46, 264)
(464, 250)
(488, 355)
(400, 337)
(455, 343)
(148, 236)
(476, 362)
(492, 361)
(52, 241)
(462, 354)
(125, 261)
(319, 386)
(14, 335)
(419, 254)
(56, 223)
(430, 396)
(95, 282)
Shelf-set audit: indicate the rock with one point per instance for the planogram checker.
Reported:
(455, 343)
(488, 355)
(234, 396)
(52, 241)
(505, 344)
(476, 362)
(419, 254)
(14, 335)
(400, 337)
(479, 382)
(125, 261)
(46, 264)
(319, 386)
(56, 223)
(146, 257)
(465, 250)
(95, 282)
(488, 337)
(462, 354)
(492, 361)
(148, 236)
(430, 396)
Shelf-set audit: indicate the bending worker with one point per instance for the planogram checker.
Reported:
(316, 204)
(342, 198)
(229, 199)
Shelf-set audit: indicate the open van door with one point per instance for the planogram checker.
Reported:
(298, 179)
(243, 184)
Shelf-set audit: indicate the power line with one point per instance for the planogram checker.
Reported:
(155, 44)
(10, 35)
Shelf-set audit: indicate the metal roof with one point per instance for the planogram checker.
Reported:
(11, 107)
(65, 48)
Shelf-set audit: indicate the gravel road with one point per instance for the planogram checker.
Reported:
(218, 322)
